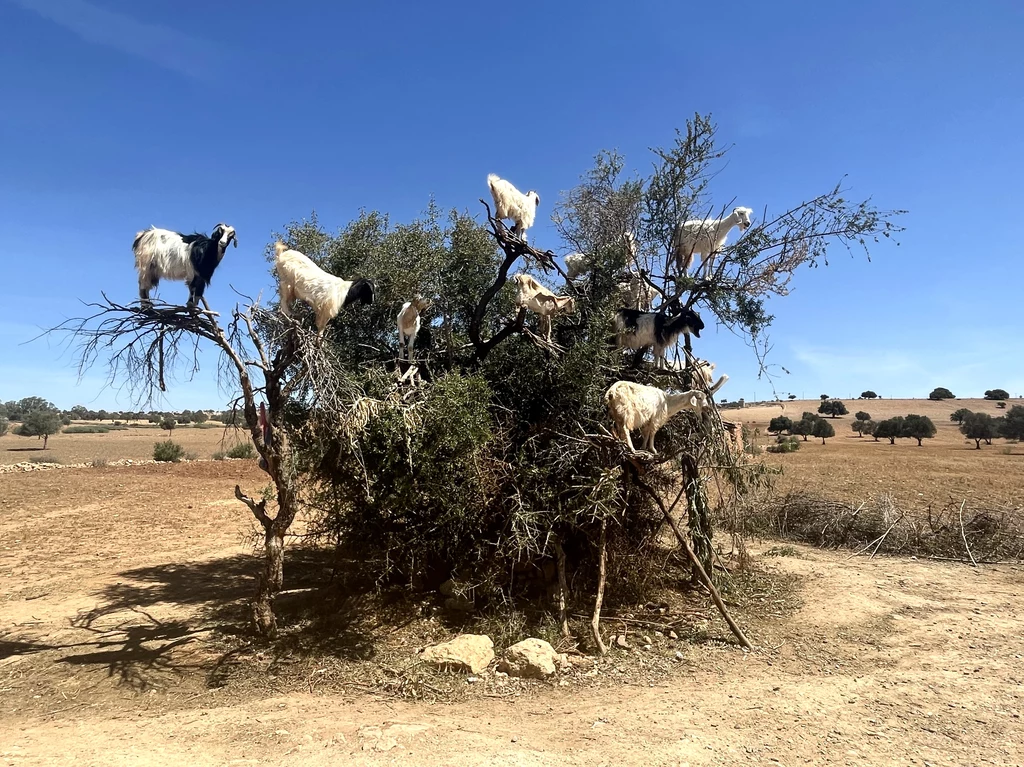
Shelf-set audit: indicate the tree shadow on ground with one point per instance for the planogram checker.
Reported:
(26, 449)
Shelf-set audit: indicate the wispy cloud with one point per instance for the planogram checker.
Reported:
(161, 45)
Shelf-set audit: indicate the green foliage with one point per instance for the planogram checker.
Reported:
(780, 424)
(868, 427)
(997, 394)
(4, 426)
(792, 396)
(200, 417)
(785, 445)
(1012, 426)
(862, 415)
(168, 424)
(958, 416)
(890, 429)
(980, 426)
(941, 393)
(242, 450)
(868, 394)
(832, 408)
(169, 452)
(40, 423)
(823, 429)
(805, 426)
(918, 427)
(486, 463)
(860, 426)
(823, 398)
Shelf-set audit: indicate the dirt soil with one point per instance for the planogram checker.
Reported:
(107, 579)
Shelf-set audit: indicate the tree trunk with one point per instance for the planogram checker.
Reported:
(977, 444)
(270, 582)
(823, 440)
(46, 438)
(699, 517)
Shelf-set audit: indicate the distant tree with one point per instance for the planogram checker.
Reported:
(65, 420)
(868, 394)
(918, 427)
(168, 424)
(832, 408)
(958, 416)
(40, 423)
(805, 426)
(184, 419)
(889, 429)
(862, 416)
(79, 412)
(780, 424)
(823, 397)
(980, 426)
(102, 415)
(792, 396)
(941, 392)
(4, 425)
(869, 428)
(860, 426)
(200, 417)
(1012, 426)
(823, 429)
(997, 394)
(232, 418)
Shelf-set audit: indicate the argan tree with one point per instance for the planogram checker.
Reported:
(823, 429)
(941, 392)
(832, 408)
(980, 427)
(919, 427)
(868, 394)
(890, 429)
(780, 424)
(997, 394)
(958, 416)
(41, 421)
(1012, 426)
(492, 450)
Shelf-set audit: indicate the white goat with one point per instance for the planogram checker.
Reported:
(192, 258)
(636, 293)
(702, 375)
(409, 324)
(647, 408)
(705, 236)
(538, 299)
(509, 202)
(300, 278)
(580, 263)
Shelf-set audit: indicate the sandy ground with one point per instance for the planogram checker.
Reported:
(107, 578)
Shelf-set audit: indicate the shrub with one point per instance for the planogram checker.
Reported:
(99, 463)
(44, 459)
(1001, 405)
(168, 451)
(220, 455)
(94, 429)
(242, 450)
(941, 392)
(785, 445)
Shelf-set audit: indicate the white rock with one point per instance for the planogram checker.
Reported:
(467, 652)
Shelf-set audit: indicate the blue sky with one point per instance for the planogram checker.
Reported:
(119, 115)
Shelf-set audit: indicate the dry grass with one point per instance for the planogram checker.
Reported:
(849, 468)
(135, 443)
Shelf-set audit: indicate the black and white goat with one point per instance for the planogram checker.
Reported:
(635, 329)
(191, 258)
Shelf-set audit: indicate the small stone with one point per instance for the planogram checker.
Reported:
(673, 635)
(620, 640)
(647, 639)
(679, 656)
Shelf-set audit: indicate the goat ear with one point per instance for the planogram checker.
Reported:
(693, 401)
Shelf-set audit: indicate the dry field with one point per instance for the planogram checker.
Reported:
(117, 586)
(136, 442)
(854, 469)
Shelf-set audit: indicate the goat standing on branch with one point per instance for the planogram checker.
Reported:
(191, 258)
(540, 300)
(705, 236)
(647, 408)
(635, 330)
(409, 324)
(300, 278)
(510, 203)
